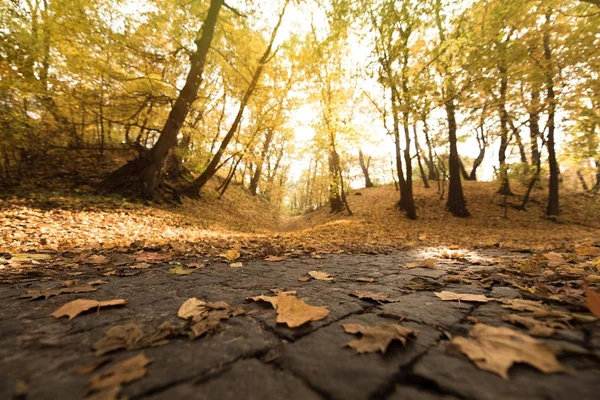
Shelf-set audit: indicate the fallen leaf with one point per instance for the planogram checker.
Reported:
(321, 276)
(76, 307)
(587, 250)
(140, 266)
(195, 265)
(292, 311)
(378, 337)
(46, 293)
(126, 371)
(286, 292)
(593, 279)
(379, 297)
(231, 255)
(111, 393)
(205, 317)
(179, 270)
(91, 367)
(365, 279)
(592, 301)
(304, 278)
(449, 296)
(118, 337)
(194, 306)
(96, 259)
(554, 259)
(497, 349)
(25, 257)
(427, 263)
(535, 327)
(535, 307)
(152, 257)
(96, 282)
(236, 265)
(295, 312)
(68, 283)
(275, 258)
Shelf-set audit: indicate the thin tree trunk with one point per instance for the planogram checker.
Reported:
(504, 122)
(553, 203)
(456, 203)
(335, 198)
(418, 151)
(365, 169)
(582, 180)
(193, 190)
(259, 164)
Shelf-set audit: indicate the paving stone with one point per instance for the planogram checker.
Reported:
(505, 292)
(412, 393)
(457, 375)
(323, 360)
(246, 379)
(425, 307)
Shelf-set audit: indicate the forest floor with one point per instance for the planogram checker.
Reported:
(480, 308)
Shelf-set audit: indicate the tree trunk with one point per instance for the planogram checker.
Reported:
(582, 180)
(193, 190)
(504, 122)
(477, 163)
(365, 169)
(456, 203)
(147, 171)
(259, 164)
(418, 151)
(597, 185)
(335, 198)
(409, 199)
(431, 162)
(553, 204)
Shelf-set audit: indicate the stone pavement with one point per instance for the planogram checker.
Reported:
(252, 357)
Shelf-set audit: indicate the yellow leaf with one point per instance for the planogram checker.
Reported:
(231, 255)
(321, 276)
(292, 311)
(179, 270)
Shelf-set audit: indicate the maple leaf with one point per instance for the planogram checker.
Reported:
(76, 307)
(124, 372)
(449, 296)
(592, 301)
(497, 349)
(321, 276)
(378, 337)
(231, 255)
(179, 270)
(292, 311)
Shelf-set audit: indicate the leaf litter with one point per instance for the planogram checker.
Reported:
(205, 317)
(377, 338)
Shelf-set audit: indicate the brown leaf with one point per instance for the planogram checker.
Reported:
(592, 301)
(126, 371)
(152, 257)
(535, 307)
(196, 265)
(292, 311)
(179, 270)
(362, 294)
(321, 276)
(36, 294)
(497, 349)
(231, 255)
(205, 316)
(295, 312)
(76, 307)
(275, 258)
(449, 296)
(427, 263)
(96, 282)
(304, 278)
(535, 327)
(68, 283)
(378, 337)
(142, 265)
(119, 337)
(365, 279)
(192, 307)
(91, 367)
(554, 259)
(97, 259)
(587, 250)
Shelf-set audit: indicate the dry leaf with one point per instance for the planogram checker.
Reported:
(275, 258)
(427, 263)
(593, 279)
(26, 257)
(292, 311)
(91, 367)
(111, 393)
(126, 371)
(195, 265)
(362, 294)
(96, 282)
(36, 294)
(535, 327)
(97, 259)
(179, 270)
(68, 283)
(365, 279)
(535, 307)
(76, 307)
(321, 276)
(236, 265)
(140, 266)
(118, 337)
(449, 296)
(205, 316)
(304, 278)
(554, 259)
(378, 337)
(231, 255)
(295, 312)
(497, 349)
(152, 257)
(592, 301)
(587, 251)
(192, 307)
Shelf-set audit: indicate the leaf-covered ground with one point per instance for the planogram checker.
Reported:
(108, 299)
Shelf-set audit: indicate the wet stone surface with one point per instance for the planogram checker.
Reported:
(250, 356)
